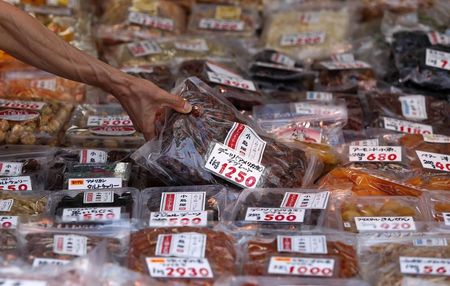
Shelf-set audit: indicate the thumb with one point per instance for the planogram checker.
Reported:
(175, 102)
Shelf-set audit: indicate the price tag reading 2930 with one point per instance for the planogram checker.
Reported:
(229, 165)
(172, 267)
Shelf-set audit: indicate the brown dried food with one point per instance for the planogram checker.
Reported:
(25, 204)
(348, 80)
(220, 251)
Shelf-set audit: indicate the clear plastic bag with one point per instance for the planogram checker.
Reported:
(280, 209)
(217, 252)
(267, 281)
(99, 206)
(102, 126)
(438, 203)
(181, 150)
(183, 206)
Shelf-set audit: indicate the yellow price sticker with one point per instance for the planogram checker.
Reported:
(228, 12)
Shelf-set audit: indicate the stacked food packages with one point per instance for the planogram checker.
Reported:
(317, 151)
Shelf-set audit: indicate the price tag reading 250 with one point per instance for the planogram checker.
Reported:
(229, 165)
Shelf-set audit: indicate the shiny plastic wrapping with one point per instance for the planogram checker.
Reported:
(438, 203)
(178, 155)
(266, 281)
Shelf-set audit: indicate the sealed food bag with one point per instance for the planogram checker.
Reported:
(24, 168)
(409, 259)
(421, 60)
(183, 206)
(280, 208)
(343, 73)
(43, 241)
(205, 255)
(130, 20)
(308, 254)
(266, 281)
(438, 203)
(161, 75)
(380, 213)
(191, 149)
(49, 7)
(99, 206)
(102, 126)
(112, 274)
(224, 20)
(308, 31)
(438, 181)
(243, 93)
(394, 110)
(31, 122)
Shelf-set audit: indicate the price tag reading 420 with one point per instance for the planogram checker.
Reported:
(169, 267)
(229, 165)
(375, 154)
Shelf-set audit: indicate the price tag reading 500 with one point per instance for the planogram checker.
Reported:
(229, 165)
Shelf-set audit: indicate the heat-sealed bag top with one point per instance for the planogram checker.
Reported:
(438, 203)
(183, 206)
(102, 126)
(189, 255)
(280, 208)
(319, 254)
(99, 206)
(405, 259)
(267, 281)
(217, 144)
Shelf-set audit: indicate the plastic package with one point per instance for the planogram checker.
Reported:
(408, 113)
(32, 122)
(410, 259)
(102, 126)
(308, 32)
(226, 81)
(419, 60)
(179, 154)
(183, 206)
(95, 206)
(431, 181)
(380, 213)
(40, 240)
(161, 75)
(280, 208)
(219, 253)
(438, 203)
(240, 21)
(127, 20)
(261, 249)
(266, 281)
(24, 168)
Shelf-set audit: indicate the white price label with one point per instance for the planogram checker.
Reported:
(368, 142)
(120, 120)
(425, 265)
(8, 222)
(221, 24)
(95, 183)
(301, 266)
(414, 106)
(171, 219)
(229, 165)
(275, 215)
(19, 104)
(113, 130)
(430, 242)
(317, 200)
(160, 267)
(6, 205)
(98, 197)
(182, 201)
(406, 126)
(90, 156)
(436, 138)
(188, 244)
(48, 84)
(18, 115)
(70, 244)
(155, 22)
(16, 184)
(301, 39)
(282, 60)
(434, 161)
(334, 65)
(196, 45)
(137, 69)
(320, 96)
(437, 59)
(144, 48)
(10, 169)
(393, 223)
(49, 261)
(446, 217)
(306, 108)
(375, 154)
(246, 141)
(231, 81)
(21, 282)
(90, 214)
(311, 244)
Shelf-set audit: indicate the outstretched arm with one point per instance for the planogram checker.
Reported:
(26, 39)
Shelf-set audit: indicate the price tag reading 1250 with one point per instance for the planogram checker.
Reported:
(228, 164)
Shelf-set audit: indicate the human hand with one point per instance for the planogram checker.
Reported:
(143, 100)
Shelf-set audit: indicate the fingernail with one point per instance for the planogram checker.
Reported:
(187, 106)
